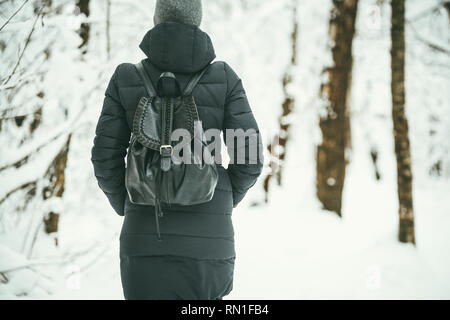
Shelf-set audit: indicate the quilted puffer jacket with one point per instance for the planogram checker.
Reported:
(202, 231)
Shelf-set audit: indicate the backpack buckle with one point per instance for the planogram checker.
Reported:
(166, 150)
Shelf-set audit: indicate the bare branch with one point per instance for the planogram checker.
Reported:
(68, 129)
(35, 236)
(13, 15)
(31, 264)
(19, 116)
(4, 278)
(24, 159)
(21, 187)
(24, 48)
(67, 258)
(426, 12)
(430, 44)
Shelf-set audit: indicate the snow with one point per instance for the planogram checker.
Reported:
(306, 255)
(288, 248)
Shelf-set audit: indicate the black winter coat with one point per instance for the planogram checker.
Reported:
(199, 236)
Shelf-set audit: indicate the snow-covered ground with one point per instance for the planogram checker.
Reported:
(289, 248)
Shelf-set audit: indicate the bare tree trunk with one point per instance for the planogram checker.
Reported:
(55, 180)
(335, 124)
(277, 147)
(55, 177)
(108, 28)
(401, 139)
(85, 28)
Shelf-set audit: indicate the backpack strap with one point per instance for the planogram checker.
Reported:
(147, 82)
(193, 82)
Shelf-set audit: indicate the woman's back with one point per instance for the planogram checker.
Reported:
(198, 240)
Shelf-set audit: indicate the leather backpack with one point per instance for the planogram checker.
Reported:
(152, 177)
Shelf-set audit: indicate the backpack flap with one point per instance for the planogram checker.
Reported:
(147, 123)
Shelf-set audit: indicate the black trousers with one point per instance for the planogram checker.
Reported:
(175, 278)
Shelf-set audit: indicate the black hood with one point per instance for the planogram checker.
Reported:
(178, 47)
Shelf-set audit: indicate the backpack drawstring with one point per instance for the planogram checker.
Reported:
(165, 151)
(158, 208)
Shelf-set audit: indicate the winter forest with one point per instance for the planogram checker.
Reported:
(352, 104)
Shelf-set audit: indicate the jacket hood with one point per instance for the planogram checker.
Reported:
(178, 47)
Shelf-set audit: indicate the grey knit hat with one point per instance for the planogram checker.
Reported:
(184, 11)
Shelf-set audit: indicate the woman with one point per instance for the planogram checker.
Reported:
(195, 259)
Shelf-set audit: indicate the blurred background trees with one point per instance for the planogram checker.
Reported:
(279, 143)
